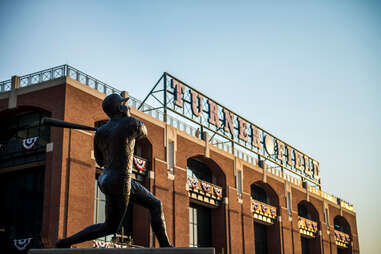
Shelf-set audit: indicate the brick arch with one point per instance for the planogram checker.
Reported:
(37, 107)
(25, 108)
(341, 221)
(146, 147)
(313, 213)
(271, 193)
(213, 166)
(218, 214)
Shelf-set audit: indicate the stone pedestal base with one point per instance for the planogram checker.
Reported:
(125, 251)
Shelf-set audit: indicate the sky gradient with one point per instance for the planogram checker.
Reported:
(306, 71)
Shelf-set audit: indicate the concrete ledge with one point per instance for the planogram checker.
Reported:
(125, 251)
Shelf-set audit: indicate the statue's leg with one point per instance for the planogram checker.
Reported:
(141, 196)
(115, 208)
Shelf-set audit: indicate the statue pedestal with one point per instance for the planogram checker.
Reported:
(125, 251)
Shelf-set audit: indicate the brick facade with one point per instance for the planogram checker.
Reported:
(68, 204)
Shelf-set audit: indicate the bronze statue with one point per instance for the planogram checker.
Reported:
(113, 149)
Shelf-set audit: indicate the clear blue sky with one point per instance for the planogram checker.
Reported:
(306, 71)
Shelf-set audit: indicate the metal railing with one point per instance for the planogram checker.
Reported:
(263, 212)
(342, 239)
(5, 86)
(307, 227)
(59, 72)
(205, 188)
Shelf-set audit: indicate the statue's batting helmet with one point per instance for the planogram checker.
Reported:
(111, 104)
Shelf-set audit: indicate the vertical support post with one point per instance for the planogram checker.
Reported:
(165, 97)
(67, 183)
(15, 82)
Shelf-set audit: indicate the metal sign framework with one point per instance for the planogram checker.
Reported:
(174, 95)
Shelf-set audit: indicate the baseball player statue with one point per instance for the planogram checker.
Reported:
(114, 145)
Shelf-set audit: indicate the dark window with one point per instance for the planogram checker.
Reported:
(305, 210)
(21, 195)
(199, 226)
(258, 193)
(100, 215)
(260, 235)
(305, 245)
(199, 170)
(100, 209)
(17, 128)
(343, 251)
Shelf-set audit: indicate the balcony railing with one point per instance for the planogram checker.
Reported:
(263, 213)
(342, 239)
(307, 227)
(204, 191)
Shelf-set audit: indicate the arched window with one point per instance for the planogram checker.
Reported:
(206, 210)
(22, 137)
(198, 170)
(265, 208)
(308, 227)
(23, 142)
(342, 235)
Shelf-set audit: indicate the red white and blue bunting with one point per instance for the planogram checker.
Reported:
(206, 187)
(273, 211)
(22, 244)
(140, 164)
(193, 182)
(255, 206)
(218, 191)
(103, 245)
(29, 143)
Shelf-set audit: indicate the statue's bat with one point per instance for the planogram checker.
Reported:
(63, 124)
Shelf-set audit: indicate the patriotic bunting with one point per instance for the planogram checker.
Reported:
(255, 206)
(193, 182)
(22, 244)
(29, 143)
(206, 187)
(264, 209)
(272, 211)
(103, 245)
(140, 164)
(314, 225)
(218, 191)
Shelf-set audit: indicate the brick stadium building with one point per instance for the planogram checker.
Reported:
(224, 182)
